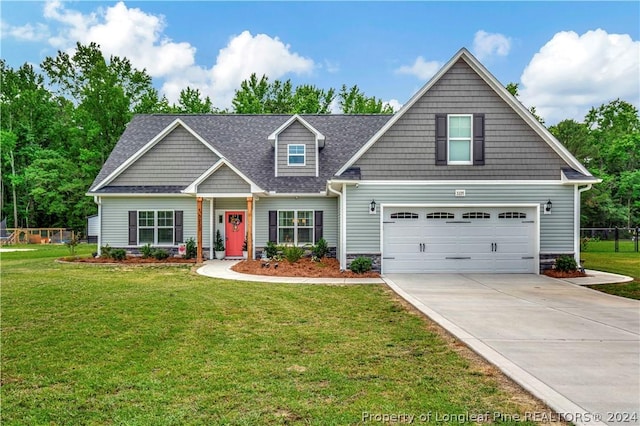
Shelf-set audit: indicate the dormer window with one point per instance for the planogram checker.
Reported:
(296, 155)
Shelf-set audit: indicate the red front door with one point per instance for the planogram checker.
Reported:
(234, 233)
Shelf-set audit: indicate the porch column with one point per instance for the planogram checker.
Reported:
(249, 228)
(199, 230)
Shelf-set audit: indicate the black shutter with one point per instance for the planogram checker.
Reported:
(478, 139)
(177, 222)
(273, 226)
(317, 223)
(441, 139)
(133, 228)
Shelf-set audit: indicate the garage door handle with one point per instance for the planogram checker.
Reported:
(388, 257)
(457, 258)
(527, 257)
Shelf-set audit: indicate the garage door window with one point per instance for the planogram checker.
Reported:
(476, 215)
(440, 215)
(404, 215)
(512, 215)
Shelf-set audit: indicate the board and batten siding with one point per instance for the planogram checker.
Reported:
(329, 206)
(296, 134)
(115, 217)
(178, 159)
(224, 180)
(513, 150)
(556, 229)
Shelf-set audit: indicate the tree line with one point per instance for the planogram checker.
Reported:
(58, 126)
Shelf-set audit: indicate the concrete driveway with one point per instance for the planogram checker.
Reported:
(576, 349)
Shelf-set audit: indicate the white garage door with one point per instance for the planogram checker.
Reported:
(452, 240)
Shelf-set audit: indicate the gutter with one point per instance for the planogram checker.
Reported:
(343, 221)
(577, 214)
(98, 200)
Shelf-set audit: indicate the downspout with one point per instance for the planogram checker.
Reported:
(98, 201)
(577, 221)
(342, 246)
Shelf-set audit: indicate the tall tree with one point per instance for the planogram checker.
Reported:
(191, 102)
(353, 101)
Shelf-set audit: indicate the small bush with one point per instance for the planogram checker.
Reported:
(146, 250)
(566, 263)
(361, 264)
(105, 252)
(320, 250)
(192, 249)
(271, 249)
(160, 254)
(72, 244)
(293, 253)
(118, 254)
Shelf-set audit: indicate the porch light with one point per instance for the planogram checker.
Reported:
(372, 207)
(547, 207)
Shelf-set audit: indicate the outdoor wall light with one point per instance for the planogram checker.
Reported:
(372, 207)
(547, 207)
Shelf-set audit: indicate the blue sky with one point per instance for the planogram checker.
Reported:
(566, 56)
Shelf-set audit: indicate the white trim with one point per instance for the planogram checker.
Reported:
(224, 194)
(511, 100)
(576, 219)
(174, 124)
(343, 235)
(275, 156)
(470, 139)
(193, 186)
(319, 136)
(98, 201)
(211, 238)
(143, 195)
(453, 182)
(535, 206)
(304, 155)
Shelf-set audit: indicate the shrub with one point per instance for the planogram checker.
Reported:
(361, 264)
(244, 245)
(566, 263)
(192, 249)
(105, 252)
(219, 245)
(293, 253)
(160, 254)
(72, 244)
(146, 250)
(271, 249)
(320, 250)
(118, 254)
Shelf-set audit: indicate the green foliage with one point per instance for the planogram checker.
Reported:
(118, 254)
(244, 244)
(219, 244)
(321, 249)
(106, 252)
(354, 101)
(271, 250)
(72, 244)
(160, 254)
(192, 249)
(293, 253)
(361, 264)
(146, 251)
(566, 263)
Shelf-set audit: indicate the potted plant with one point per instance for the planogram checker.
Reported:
(219, 246)
(244, 247)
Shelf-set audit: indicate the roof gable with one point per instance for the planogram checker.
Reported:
(222, 167)
(296, 118)
(499, 90)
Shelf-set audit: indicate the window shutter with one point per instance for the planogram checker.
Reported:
(177, 221)
(441, 139)
(317, 221)
(478, 139)
(273, 226)
(133, 228)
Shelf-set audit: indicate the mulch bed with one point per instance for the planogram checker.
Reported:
(131, 260)
(561, 274)
(305, 267)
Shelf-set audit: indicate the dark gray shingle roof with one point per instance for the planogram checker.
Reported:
(242, 140)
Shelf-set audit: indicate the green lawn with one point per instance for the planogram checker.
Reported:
(84, 344)
(601, 256)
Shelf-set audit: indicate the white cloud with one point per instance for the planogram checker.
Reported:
(572, 73)
(487, 44)
(422, 69)
(395, 104)
(27, 32)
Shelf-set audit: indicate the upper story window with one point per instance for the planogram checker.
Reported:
(296, 155)
(459, 143)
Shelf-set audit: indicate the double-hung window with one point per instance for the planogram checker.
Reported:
(460, 146)
(295, 227)
(156, 227)
(296, 155)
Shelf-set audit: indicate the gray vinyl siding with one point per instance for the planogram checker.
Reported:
(329, 205)
(115, 216)
(224, 180)
(556, 229)
(178, 159)
(230, 203)
(297, 134)
(512, 149)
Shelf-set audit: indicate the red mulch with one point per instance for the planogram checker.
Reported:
(561, 274)
(305, 267)
(131, 260)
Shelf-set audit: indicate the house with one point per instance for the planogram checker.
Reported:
(462, 179)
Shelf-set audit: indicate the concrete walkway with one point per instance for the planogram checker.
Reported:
(575, 348)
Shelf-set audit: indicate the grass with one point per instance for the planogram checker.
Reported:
(84, 344)
(600, 255)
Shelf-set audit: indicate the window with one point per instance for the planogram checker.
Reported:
(156, 227)
(440, 215)
(296, 155)
(459, 140)
(512, 215)
(476, 215)
(404, 215)
(295, 227)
